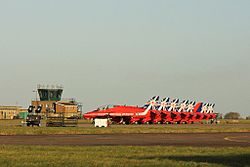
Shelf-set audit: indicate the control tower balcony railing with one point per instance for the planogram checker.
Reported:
(62, 100)
(40, 86)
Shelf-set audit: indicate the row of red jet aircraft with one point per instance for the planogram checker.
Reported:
(155, 111)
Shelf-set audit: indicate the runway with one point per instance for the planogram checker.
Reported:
(186, 139)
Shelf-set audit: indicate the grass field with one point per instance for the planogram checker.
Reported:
(38, 156)
(89, 129)
(16, 122)
(240, 121)
(55, 156)
(13, 127)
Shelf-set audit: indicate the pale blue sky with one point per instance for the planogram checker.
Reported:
(111, 51)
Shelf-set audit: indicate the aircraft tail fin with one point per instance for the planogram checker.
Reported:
(204, 108)
(198, 107)
(183, 106)
(190, 107)
(151, 104)
(210, 108)
(164, 104)
(173, 105)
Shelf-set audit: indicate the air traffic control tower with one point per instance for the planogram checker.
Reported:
(50, 99)
(49, 95)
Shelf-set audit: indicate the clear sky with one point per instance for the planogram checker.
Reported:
(124, 52)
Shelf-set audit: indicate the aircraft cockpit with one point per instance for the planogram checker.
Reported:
(105, 107)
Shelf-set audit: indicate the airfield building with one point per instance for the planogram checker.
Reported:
(11, 112)
(50, 99)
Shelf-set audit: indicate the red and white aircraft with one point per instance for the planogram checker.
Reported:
(155, 112)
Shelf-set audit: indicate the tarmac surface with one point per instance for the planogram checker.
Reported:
(186, 139)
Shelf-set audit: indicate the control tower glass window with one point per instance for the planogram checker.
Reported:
(50, 94)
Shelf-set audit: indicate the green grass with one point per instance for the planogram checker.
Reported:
(89, 129)
(16, 122)
(58, 156)
(231, 121)
(14, 127)
(10, 122)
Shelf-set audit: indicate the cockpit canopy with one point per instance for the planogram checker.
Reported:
(105, 107)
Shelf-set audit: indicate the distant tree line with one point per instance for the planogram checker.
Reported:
(232, 115)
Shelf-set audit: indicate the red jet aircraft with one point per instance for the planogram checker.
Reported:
(155, 112)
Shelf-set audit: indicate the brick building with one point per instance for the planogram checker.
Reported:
(10, 112)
